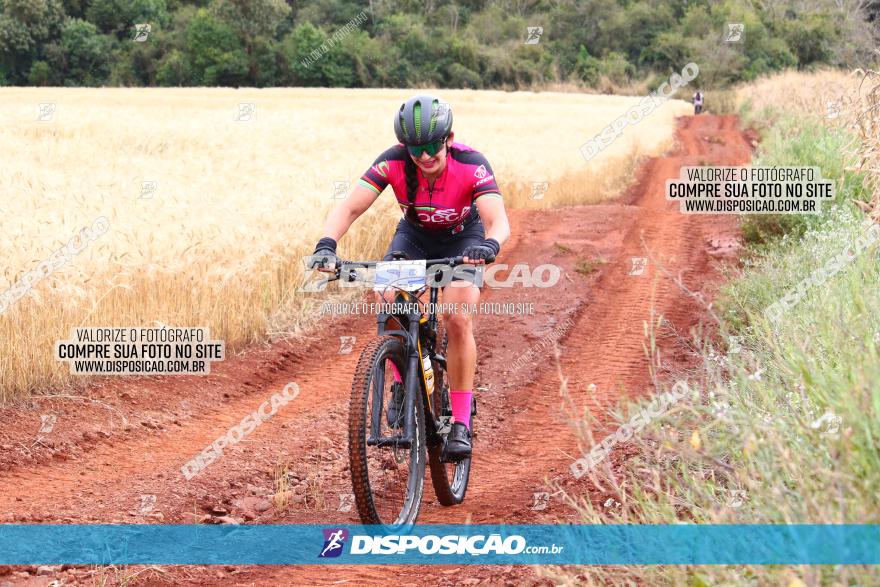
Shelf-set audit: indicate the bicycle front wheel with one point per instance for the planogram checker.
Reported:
(387, 480)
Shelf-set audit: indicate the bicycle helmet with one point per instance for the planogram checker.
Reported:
(423, 119)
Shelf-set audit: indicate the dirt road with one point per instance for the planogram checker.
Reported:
(116, 456)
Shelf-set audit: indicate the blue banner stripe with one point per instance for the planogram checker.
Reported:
(162, 544)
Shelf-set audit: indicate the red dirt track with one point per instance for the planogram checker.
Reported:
(101, 459)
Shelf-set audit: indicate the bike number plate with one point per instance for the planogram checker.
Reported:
(405, 275)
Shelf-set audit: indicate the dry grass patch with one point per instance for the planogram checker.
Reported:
(236, 204)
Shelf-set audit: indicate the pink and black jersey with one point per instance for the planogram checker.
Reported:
(448, 203)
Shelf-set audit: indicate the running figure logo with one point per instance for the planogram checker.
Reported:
(735, 32)
(534, 33)
(334, 540)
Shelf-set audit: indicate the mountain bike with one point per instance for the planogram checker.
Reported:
(400, 413)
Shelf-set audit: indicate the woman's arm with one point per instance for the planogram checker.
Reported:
(347, 211)
(491, 209)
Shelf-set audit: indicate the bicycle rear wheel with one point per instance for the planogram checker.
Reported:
(450, 480)
(387, 481)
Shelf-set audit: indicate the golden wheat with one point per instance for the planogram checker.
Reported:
(866, 118)
(819, 93)
(231, 203)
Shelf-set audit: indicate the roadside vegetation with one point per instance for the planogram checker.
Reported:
(783, 425)
(605, 45)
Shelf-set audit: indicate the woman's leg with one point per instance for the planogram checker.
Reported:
(461, 352)
(461, 360)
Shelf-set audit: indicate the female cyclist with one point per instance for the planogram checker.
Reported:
(451, 206)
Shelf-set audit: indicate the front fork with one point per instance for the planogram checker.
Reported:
(412, 387)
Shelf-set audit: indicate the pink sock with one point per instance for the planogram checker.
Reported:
(461, 406)
(397, 377)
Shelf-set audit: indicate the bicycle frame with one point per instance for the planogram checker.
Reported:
(413, 383)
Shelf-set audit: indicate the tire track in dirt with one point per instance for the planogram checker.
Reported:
(522, 439)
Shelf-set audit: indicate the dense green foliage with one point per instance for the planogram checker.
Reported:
(458, 43)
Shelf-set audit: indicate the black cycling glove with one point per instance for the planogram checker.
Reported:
(325, 254)
(487, 250)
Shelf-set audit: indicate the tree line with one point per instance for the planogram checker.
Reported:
(478, 44)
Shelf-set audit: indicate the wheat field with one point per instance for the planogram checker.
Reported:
(210, 205)
(827, 93)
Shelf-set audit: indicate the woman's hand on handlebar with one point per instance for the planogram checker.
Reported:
(482, 253)
(324, 258)
(324, 261)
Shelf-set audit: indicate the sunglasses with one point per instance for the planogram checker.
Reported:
(431, 148)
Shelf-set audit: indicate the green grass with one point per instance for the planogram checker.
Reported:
(783, 429)
(804, 142)
(587, 266)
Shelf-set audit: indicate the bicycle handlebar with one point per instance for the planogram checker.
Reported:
(352, 275)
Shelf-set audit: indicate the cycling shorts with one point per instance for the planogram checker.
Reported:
(421, 244)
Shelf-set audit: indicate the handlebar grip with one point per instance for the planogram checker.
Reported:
(458, 260)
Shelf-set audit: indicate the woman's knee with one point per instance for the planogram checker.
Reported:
(459, 325)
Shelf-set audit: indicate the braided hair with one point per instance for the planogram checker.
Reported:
(412, 186)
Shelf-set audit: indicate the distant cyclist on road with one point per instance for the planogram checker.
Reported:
(451, 206)
(698, 102)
